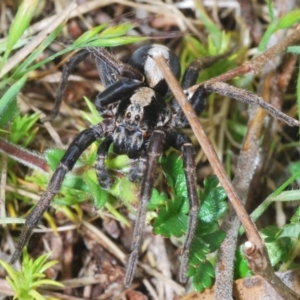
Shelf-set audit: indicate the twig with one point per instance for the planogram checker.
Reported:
(28, 158)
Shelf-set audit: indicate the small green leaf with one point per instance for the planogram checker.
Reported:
(199, 250)
(214, 239)
(47, 282)
(295, 50)
(173, 166)
(202, 275)
(296, 216)
(290, 230)
(241, 269)
(22, 131)
(213, 204)
(278, 248)
(99, 195)
(36, 295)
(157, 199)
(53, 157)
(9, 269)
(47, 265)
(171, 221)
(127, 191)
(24, 283)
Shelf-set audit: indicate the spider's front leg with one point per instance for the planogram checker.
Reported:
(103, 177)
(155, 150)
(68, 69)
(81, 142)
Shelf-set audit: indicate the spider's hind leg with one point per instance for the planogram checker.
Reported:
(182, 142)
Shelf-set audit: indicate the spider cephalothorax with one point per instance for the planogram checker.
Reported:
(138, 122)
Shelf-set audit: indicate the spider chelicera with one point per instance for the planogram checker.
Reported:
(138, 122)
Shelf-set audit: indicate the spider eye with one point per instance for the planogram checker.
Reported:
(128, 115)
(137, 117)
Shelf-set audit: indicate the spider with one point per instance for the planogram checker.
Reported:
(138, 122)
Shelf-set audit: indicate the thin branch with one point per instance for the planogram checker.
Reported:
(30, 159)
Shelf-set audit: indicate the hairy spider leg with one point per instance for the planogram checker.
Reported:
(68, 69)
(103, 177)
(110, 71)
(138, 169)
(161, 140)
(190, 175)
(116, 91)
(198, 99)
(182, 142)
(106, 61)
(81, 142)
(155, 150)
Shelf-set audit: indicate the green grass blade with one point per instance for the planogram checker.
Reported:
(20, 24)
(271, 10)
(38, 51)
(289, 19)
(117, 41)
(90, 34)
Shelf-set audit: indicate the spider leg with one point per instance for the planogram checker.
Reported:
(138, 170)
(116, 92)
(182, 142)
(69, 67)
(198, 98)
(103, 177)
(190, 176)
(81, 142)
(103, 56)
(155, 150)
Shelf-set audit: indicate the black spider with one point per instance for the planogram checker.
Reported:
(138, 122)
